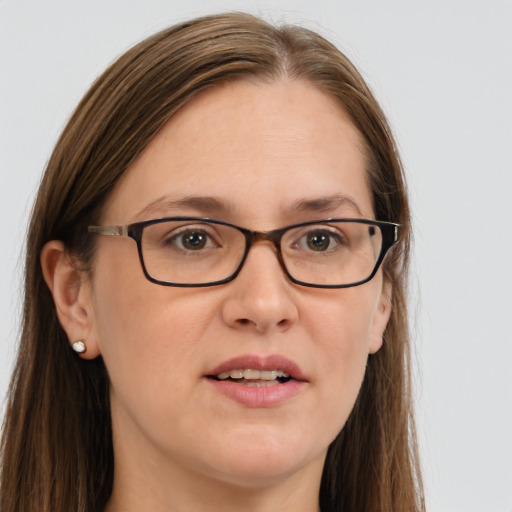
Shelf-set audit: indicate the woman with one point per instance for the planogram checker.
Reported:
(215, 309)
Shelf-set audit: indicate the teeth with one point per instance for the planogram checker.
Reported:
(259, 383)
(250, 374)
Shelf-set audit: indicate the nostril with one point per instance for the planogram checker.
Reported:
(243, 322)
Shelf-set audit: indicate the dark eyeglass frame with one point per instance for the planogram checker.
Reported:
(390, 236)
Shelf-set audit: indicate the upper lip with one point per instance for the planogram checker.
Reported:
(257, 362)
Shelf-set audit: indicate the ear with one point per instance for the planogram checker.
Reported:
(381, 318)
(70, 288)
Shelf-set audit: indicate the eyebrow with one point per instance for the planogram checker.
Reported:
(206, 204)
(326, 204)
(209, 205)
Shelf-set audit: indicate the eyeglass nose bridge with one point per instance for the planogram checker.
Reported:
(274, 237)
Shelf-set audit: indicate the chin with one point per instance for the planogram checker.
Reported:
(255, 461)
(260, 473)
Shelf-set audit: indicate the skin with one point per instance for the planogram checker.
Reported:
(179, 444)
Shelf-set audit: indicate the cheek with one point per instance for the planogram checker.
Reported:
(343, 325)
(342, 330)
(148, 334)
(145, 328)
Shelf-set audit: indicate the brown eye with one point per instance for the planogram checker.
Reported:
(194, 240)
(318, 241)
(197, 238)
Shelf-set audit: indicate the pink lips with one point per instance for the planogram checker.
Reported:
(264, 396)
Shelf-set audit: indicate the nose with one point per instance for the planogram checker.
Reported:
(261, 298)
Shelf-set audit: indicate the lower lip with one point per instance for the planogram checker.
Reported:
(261, 396)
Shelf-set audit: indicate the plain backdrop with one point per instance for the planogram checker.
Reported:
(442, 71)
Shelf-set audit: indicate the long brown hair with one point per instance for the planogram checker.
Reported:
(56, 449)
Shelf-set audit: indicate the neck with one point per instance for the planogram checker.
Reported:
(146, 484)
(195, 493)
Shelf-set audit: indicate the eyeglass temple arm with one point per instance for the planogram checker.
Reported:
(109, 230)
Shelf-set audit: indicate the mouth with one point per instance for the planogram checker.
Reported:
(253, 377)
(257, 381)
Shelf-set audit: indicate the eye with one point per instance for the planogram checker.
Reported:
(191, 240)
(319, 240)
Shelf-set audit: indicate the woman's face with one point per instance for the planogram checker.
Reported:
(262, 157)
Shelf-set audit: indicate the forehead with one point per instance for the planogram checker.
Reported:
(259, 149)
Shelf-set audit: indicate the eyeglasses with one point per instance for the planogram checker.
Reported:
(196, 252)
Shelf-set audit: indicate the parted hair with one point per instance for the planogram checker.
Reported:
(56, 448)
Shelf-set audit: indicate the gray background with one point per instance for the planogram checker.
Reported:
(443, 72)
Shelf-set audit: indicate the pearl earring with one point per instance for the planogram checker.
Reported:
(79, 346)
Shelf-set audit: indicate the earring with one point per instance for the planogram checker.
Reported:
(79, 346)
